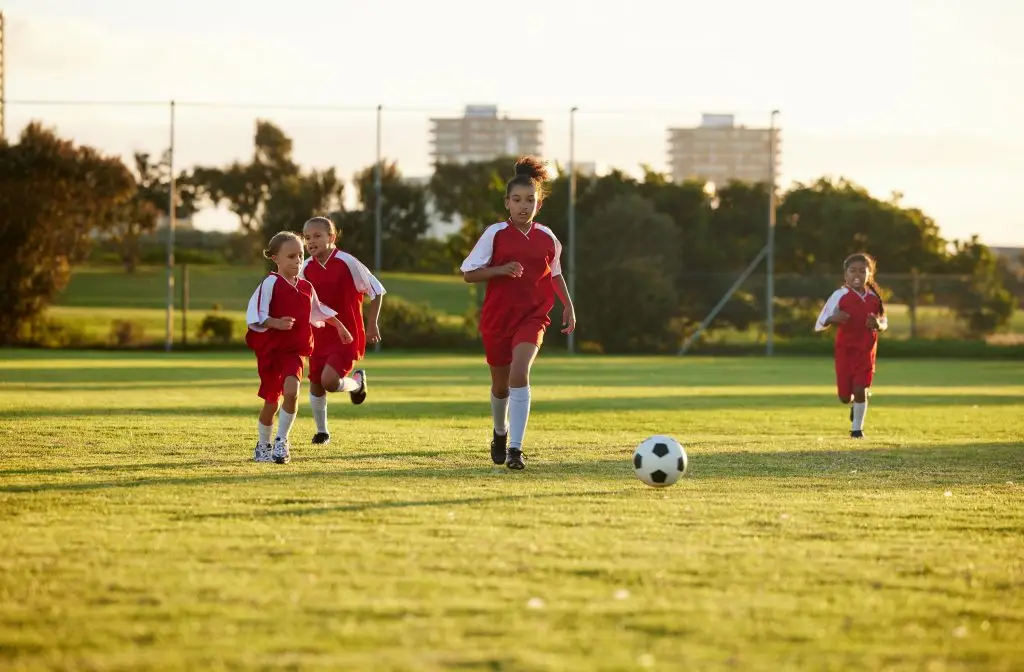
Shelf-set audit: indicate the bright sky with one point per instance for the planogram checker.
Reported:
(918, 96)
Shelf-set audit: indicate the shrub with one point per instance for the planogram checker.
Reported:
(409, 325)
(125, 333)
(216, 329)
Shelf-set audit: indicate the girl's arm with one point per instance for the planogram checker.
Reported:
(568, 309)
(512, 269)
(562, 291)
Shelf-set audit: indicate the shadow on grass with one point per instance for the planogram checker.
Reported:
(425, 369)
(396, 504)
(459, 408)
(876, 468)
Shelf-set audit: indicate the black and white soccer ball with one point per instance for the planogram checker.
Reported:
(659, 461)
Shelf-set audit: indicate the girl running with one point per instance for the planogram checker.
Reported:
(519, 261)
(857, 311)
(342, 281)
(280, 317)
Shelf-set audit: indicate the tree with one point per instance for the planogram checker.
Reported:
(474, 191)
(626, 299)
(53, 194)
(403, 214)
(982, 303)
(139, 215)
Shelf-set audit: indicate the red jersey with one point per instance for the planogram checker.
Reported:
(854, 337)
(511, 301)
(276, 297)
(342, 281)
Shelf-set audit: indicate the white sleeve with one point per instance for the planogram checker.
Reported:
(828, 310)
(480, 256)
(259, 304)
(556, 261)
(378, 289)
(362, 278)
(319, 313)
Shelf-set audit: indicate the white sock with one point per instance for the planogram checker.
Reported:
(499, 412)
(859, 411)
(284, 423)
(348, 384)
(518, 415)
(319, 406)
(265, 431)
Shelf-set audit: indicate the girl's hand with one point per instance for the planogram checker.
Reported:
(345, 334)
(280, 323)
(568, 319)
(373, 333)
(512, 269)
(838, 317)
(873, 322)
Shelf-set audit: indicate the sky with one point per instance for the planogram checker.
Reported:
(920, 97)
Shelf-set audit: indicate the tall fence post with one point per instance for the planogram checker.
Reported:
(184, 304)
(169, 343)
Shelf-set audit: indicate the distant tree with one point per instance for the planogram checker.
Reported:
(403, 215)
(270, 192)
(132, 220)
(53, 194)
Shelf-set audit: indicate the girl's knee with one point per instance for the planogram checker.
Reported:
(499, 392)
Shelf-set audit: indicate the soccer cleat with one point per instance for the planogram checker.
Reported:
(263, 452)
(499, 448)
(282, 451)
(321, 437)
(515, 459)
(359, 396)
(857, 434)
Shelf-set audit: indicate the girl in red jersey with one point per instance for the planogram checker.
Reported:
(342, 281)
(519, 261)
(857, 311)
(280, 316)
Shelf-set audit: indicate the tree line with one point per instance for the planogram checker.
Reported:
(653, 255)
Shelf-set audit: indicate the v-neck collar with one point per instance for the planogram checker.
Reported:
(526, 234)
(293, 285)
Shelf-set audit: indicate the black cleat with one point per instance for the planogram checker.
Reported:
(359, 396)
(856, 434)
(515, 459)
(499, 446)
(321, 437)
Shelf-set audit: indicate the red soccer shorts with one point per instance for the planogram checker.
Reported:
(853, 372)
(341, 362)
(273, 370)
(498, 350)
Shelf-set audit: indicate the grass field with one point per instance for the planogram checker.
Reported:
(137, 533)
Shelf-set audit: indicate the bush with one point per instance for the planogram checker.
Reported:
(125, 333)
(216, 329)
(43, 332)
(409, 325)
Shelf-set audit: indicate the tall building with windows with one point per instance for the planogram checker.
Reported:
(481, 135)
(719, 151)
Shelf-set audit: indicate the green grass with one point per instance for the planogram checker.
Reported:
(231, 287)
(138, 535)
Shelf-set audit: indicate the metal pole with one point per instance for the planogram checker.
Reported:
(378, 209)
(572, 218)
(724, 300)
(184, 303)
(168, 344)
(770, 285)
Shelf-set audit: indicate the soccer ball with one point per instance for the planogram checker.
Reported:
(659, 461)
